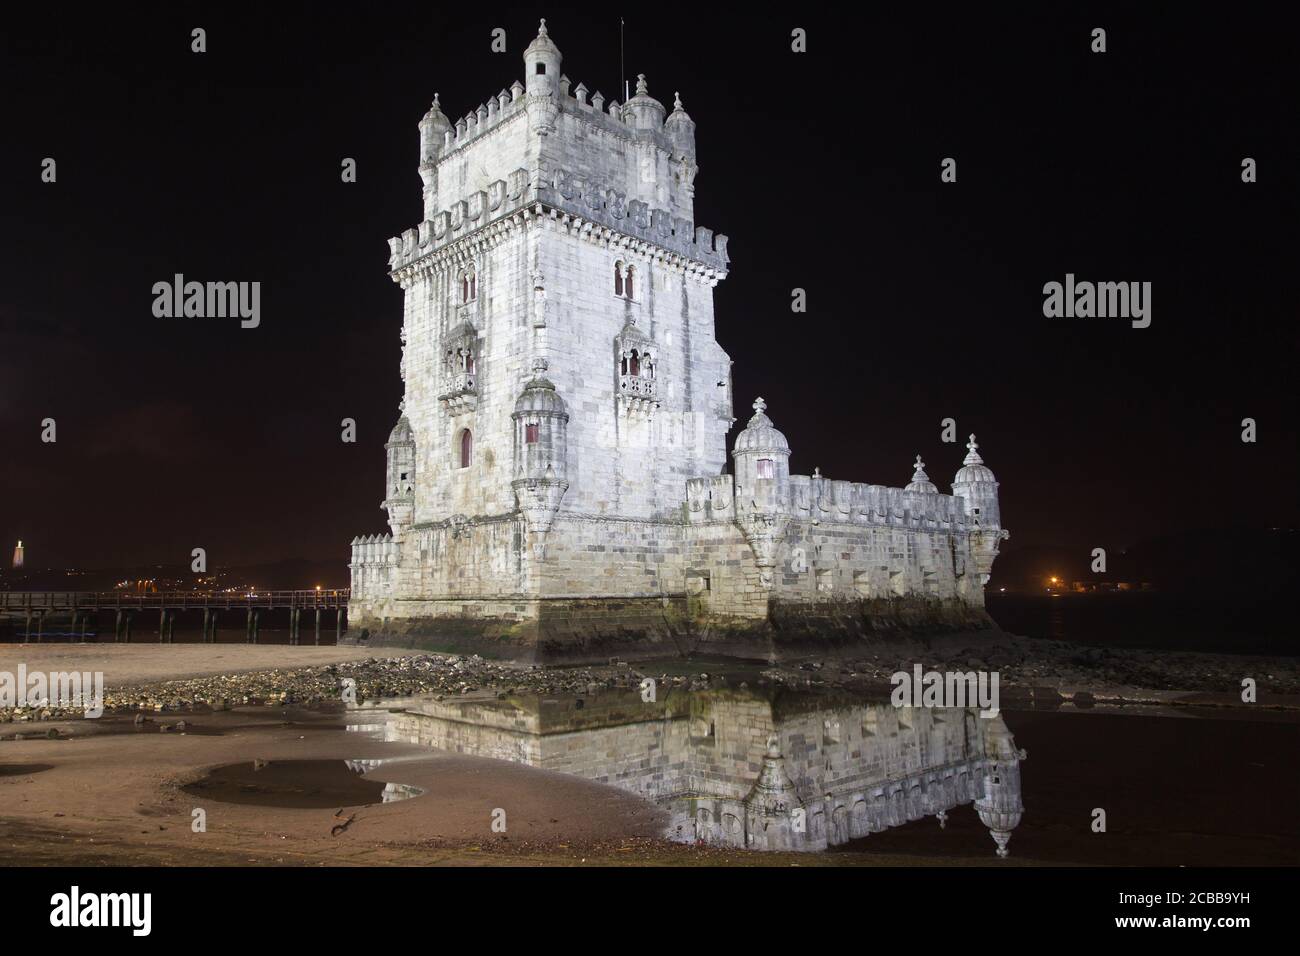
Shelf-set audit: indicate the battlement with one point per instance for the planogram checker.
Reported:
(819, 499)
(586, 205)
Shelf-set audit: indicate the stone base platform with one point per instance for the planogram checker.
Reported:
(589, 631)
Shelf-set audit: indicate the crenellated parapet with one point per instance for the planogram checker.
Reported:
(374, 564)
(585, 204)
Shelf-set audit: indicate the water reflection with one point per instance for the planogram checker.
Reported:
(767, 770)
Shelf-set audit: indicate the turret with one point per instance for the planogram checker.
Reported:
(542, 65)
(433, 129)
(1000, 807)
(540, 451)
(399, 499)
(762, 463)
(761, 457)
(680, 130)
(976, 485)
(643, 111)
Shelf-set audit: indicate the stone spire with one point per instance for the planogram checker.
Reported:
(920, 480)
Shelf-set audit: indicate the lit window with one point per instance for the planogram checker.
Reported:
(466, 448)
(530, 433)
(765, 469)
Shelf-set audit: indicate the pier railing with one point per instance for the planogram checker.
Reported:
(172, 600)
(84, 608)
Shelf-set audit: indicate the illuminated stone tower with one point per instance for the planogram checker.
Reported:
(556, 483)
(562, 376)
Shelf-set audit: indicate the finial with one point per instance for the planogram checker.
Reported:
(541, 30)
(973, 458)
(759, 405)
(677, 101)
(435, 99)
(920, 469)
(641, 86)
(817, 472)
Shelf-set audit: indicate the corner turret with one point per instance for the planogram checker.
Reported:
(975, 484)
(433, 130)
(399, 501)
(542, 65)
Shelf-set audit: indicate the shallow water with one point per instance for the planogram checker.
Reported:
(298, 784)
(774, 768)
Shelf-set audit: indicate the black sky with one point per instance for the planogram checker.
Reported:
(924, 299)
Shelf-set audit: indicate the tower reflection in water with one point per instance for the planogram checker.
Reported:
(765, 769)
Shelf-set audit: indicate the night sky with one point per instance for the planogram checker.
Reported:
(924, 299)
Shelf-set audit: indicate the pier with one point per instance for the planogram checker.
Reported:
(83, 610)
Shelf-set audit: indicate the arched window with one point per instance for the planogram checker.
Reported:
(464, 287)
(473, 285)
(530, 433)
(469, 362)
(634, 364)
(466, 448)
(618, 278)
(627, 282)
(468, 286)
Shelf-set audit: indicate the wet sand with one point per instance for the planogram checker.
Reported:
(139, 663)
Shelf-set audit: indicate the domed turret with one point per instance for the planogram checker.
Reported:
(762, 464)
(920, 480)
(542, 65)
(541, 445)
(760, 435)
(643, 111)
(432, 132)
(432, 129)
(975, 483)
(680, 128)
(399, 501)
(999, 806)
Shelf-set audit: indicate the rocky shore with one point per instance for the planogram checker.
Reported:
(1028, 669)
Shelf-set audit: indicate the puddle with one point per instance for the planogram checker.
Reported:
(298, 785)
(22, 769)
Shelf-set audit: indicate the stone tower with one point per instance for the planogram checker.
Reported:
(557, 483)
(559, 356)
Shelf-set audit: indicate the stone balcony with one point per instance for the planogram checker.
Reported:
(462, 392)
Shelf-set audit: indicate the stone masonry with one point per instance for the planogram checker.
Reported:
(557, 483)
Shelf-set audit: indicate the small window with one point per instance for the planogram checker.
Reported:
(765, 469)
(618, 278)
(627, 282)
(541, 69)
(530, 433)
(466, 448)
